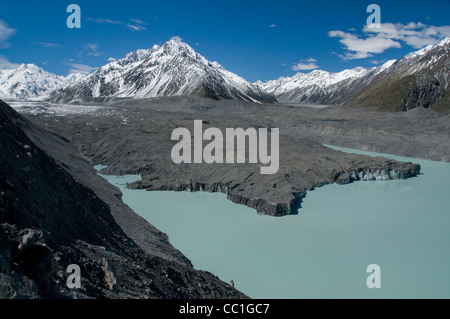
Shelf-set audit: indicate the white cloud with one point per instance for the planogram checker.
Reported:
(176, 38)
(47, 44)
(105, 21)
(138, 21)
(5, 34)
(362, 48)
(93, 49)
(5, 64)
(111, 59)
(138, 26)
(417, 35)
(389, 35)
(305, 65)
(80, 68)
(133, 27)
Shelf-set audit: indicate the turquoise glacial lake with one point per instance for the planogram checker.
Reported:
(324, 251)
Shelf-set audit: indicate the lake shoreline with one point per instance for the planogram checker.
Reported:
(192, 221)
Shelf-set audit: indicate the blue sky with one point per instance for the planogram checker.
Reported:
(258, 40)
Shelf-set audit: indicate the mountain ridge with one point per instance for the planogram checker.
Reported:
(173, 69)
(29, 81)
(419, 79)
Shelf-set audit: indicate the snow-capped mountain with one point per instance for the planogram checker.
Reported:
(30, 81)
(318, 78)
(71, 78)
(313, 87)
(321, 87)
(419, 79)
(173, 69)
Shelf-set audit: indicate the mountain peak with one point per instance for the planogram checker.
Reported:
(29, 66)
(173, 69)
(428, 48)
(444, 42)
(176, 39)
(139, 55)
(177, 46)
(30, 81)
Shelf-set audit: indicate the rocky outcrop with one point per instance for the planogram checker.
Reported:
(110, 275)
(280, 201)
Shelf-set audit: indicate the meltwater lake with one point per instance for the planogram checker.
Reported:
(323, 252)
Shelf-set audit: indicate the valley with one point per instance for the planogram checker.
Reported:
(134, 137)
(123, 115)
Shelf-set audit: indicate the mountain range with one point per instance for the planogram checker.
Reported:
(30, 81)
(173, 69)
(420, 79)
(318, 86)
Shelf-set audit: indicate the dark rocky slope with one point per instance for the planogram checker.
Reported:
(50, 219)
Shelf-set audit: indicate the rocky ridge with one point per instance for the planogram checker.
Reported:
(420, 79)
